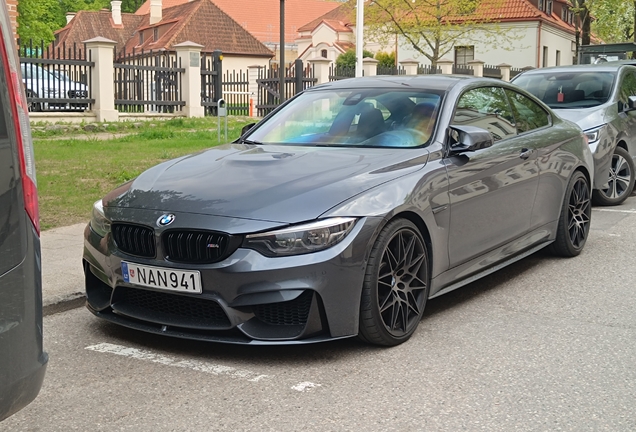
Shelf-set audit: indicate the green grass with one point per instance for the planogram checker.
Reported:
(73, 173)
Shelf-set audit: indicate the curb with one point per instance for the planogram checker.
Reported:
(71, 301)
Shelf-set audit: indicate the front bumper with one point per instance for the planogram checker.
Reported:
(247, 298)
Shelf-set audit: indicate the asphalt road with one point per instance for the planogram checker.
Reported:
(544, 345)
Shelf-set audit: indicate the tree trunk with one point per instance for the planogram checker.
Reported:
(634, 20)
(586, 24)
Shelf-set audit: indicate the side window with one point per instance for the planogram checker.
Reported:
(487, 108)
(528, 113)
(628, 87)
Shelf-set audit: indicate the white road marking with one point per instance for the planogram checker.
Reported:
(305, 386)
(614, 210)
(196, 365)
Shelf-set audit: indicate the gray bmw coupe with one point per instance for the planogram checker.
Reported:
(341, 213)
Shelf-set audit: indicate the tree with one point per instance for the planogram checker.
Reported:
(385, 59)
(38, 19)
(613, 20)
(434, 27)
(348, 58)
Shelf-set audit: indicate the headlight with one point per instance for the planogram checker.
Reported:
(593, 135)
(300, 239)
(99, 224)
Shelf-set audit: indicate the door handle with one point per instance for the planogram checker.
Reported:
(525, 153)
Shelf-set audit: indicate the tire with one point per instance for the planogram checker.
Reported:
(396, 285)
(574, 221)
(621, 180)
(33, 106)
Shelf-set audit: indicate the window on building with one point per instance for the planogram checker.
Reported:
(323, 53)
(541, 5)
(545, 56)
(558, 58)
(141, 38)
(155, 34)
(464, 54)
(548, 7)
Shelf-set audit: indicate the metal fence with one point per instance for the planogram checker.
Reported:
(148, 82)
(211, 80)
(56, 77)
(341, 72)
(492, 71)
(515, 71)
(463, 70)
(391, 70)
(428, 70)
(297, 78)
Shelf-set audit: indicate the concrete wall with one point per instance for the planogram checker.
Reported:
(556, 40)
(241, 63)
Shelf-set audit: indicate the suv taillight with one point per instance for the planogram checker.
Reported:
(21, 126)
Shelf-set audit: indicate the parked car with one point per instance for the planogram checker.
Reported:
(51, 89)
(601, 99)
(22, 359)
(341, 213)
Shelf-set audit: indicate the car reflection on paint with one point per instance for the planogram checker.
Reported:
(341, 213)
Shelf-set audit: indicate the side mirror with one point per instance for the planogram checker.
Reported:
(469, 138)
(631, 103)
(247, 128)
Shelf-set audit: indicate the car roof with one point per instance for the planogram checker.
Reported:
(431, 82)
(601, 67)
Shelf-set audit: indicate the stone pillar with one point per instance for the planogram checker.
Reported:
(321, 69)
(446, 66)
(410, 66)
(505, 71)
(478, 67)
(370, 67)
(189, 58)
(100, 52)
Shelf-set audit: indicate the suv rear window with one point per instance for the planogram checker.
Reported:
(10, 204)
(569, 90)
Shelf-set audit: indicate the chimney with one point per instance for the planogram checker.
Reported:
(69, 16)
(155, 11)
(115, 7)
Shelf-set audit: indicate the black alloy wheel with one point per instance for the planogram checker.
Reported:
(574, 222)
(396, 285)
(621, 180)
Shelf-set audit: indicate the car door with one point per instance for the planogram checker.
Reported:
(627, 88)
(491, 190)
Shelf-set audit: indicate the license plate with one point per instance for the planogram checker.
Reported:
(162, 278)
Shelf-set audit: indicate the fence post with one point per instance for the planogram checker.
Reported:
(446, 66)
(321, 69)
(370, 66)
(189, 58)
(478, 67)
(410, 66)
(100, 51)
(505, 71)
(299, 74)
(217, 64)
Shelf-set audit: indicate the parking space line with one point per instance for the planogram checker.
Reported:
(614, 210)
(200, 366)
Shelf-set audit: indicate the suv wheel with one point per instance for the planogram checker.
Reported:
(621, 180)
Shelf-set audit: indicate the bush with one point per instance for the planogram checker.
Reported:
(348, 59)
(385, 59)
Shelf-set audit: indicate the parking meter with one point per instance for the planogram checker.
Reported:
(221, 111)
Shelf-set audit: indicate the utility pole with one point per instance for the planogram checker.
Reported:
(359, 36)
(281, 62)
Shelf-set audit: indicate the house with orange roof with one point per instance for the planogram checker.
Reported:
(540, 33)
(199, 21)
(262, 18)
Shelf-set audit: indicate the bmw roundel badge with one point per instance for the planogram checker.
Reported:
(165, 220)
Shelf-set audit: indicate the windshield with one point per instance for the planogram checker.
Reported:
(360, 117)
(569, 90)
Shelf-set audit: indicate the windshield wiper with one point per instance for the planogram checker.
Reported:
(247, 141)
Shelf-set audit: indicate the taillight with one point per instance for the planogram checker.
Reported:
(21, 126)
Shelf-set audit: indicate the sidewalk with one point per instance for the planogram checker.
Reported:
(62, 274)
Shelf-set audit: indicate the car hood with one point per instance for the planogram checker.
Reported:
(589, 118)
(284, 184)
